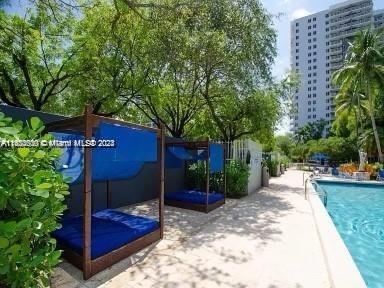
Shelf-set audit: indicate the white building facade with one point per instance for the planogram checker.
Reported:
(318, 45)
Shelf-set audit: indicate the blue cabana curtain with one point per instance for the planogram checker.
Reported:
(175, 155)
(133, 148)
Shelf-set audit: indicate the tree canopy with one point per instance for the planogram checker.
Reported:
(200, 68)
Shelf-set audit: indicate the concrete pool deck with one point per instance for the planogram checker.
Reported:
(265, 240)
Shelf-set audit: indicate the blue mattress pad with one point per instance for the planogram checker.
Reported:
(194, 196)
(110, 230)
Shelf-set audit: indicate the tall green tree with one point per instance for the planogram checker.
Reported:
(364, 67)
(35, 58)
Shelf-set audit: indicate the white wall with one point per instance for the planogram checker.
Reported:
(254, 180)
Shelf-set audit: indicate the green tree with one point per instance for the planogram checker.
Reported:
(364, 67)
(310, 131)
(34, 59)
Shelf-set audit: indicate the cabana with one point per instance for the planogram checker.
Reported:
(95, 241)
(180, 153)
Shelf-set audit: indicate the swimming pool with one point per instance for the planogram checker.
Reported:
(357, 210)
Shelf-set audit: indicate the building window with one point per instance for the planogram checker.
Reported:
(314, 88)
(297, 64)
(297, 37)
(297, 44)
(314, 32)
(327, 29)
(309, 40)
(309, 61)
(297, 57)
(313, 109)
(314, 95)
(297, 24)
(297, 50)
(309, 27)
(314, 46)
(314, 60)
(309, 116)
(314, 116)
(309, 54)
(314, 25)
(309, 81)
(314, 53)
(314, 40)
(314, 67)
(309, 102)
(309, 110)
(314, 18)
(314, 74)
(309, 34)
(314, 102)
(309, 20)
(297, 30)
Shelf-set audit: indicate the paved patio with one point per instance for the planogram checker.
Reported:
(265, 240)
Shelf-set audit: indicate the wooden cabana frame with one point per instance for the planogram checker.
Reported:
(85, 124)
(196, 145)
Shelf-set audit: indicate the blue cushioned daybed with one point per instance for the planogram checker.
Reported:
(194, 196)
(110, 230)
(95, 241)
(183, 153)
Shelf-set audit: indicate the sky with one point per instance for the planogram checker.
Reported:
(287, 11)
(293, 9)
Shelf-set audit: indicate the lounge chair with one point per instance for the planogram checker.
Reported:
(380, 175)
(335, 172)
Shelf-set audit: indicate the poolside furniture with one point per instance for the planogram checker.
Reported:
(186, 152)
(335, 172)
(380, 175)
(95, 241)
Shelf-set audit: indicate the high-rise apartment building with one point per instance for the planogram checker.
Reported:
(318, 45)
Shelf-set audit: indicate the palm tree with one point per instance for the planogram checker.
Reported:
(355, 102)
(364, 68)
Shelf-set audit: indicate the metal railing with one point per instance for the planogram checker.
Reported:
(321, 193)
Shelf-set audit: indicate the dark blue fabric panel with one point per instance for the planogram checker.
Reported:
(182, 153)
(133, 148)
(132, 145)
(194, 196)
(110, 230)
(216, 160)
(171, 161)
(71, 161)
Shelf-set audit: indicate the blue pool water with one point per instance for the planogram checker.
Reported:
(357, 210)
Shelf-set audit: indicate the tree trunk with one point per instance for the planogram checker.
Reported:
(374, 128)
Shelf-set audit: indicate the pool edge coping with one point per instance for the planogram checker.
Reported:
(341, 268)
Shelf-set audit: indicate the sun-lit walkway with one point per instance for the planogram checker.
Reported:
(266, 240)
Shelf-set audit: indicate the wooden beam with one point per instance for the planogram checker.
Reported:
(75, 123)
(189, 144)
(87, 200)
(207, 180)
(97, 119)
(161, 192)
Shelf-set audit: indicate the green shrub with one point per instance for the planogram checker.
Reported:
(237, 178)
(31, 201)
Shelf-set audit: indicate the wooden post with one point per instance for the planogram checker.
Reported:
(109, 196)
(87, 203)
(224, 171)
(207, 180)
(161, 190)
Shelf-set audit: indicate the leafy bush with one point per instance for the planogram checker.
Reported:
(237, 178)
(31, 201)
